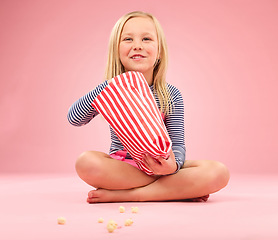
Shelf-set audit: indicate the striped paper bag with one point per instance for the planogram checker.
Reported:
(128, 105)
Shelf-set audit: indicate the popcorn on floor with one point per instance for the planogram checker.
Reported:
(122, 209)
(134, 209)
(111, 226)
(61, 220)
(128, 222)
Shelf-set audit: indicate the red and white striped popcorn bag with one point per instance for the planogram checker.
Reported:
(128, 105)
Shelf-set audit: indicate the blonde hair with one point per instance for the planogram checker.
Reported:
(114, 66)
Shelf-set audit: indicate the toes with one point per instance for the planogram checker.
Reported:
(92, 200)
(91, 194)
(199, 199)
(95, 196)
(205, 198)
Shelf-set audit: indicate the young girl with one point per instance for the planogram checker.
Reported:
(137, 43)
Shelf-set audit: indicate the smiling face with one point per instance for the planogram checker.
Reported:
(138, 49)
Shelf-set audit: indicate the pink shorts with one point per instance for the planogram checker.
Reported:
(121, 155)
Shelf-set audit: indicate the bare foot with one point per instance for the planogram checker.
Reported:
(103, 195)
(199, 199)
(98, 195)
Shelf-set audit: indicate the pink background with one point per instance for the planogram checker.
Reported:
(223, 57)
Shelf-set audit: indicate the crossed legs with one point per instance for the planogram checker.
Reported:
(117, 181)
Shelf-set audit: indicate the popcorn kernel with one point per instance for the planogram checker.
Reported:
(122, 209)
(111, 224)
(61, 220)
(110, 228)
(134, 209)
(128, 222)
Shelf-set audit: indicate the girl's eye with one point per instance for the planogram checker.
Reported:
(127, 39)
(146, 39)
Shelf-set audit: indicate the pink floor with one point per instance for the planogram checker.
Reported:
(30, 205)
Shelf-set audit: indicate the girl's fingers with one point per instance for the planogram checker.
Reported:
(153, 164)
(147, 162)
(159, 165)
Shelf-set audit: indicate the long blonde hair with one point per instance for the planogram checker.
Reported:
(114, 66)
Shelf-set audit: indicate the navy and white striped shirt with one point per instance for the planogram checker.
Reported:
(82, 112)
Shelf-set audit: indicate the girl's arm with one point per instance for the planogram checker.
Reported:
(175, 126)
(82, 112)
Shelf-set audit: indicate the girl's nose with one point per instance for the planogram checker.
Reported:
(137, 46)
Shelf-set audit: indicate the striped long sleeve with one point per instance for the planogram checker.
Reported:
(174, 123)
(82, 111)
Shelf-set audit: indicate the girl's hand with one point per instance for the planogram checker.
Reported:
(161, 166)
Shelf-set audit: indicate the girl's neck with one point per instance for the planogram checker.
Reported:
(149, 78)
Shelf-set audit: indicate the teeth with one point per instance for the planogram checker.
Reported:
(137, 57)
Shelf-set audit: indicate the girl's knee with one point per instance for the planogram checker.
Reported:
(87, 164)
(219, 175)
(82, 161)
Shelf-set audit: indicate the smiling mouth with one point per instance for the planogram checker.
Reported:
(137, 57)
